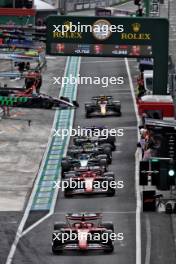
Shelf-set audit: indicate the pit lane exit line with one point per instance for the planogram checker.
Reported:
(138, 198)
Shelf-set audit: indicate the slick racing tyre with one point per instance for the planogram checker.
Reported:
(111, 191)
(88, 114)
(107, 149)
(110, 248)
(65, 164)
(56, 251)
(58, 226)
(168, 208)
(103, 163)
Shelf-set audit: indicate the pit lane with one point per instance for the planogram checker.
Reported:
(35, 247)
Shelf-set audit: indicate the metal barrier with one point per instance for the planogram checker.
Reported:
(79, 5)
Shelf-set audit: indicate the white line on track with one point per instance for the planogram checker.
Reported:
(35, 224)
(149, 241)
(27, 210)
(138, 198)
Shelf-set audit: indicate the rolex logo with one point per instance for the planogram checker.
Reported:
(136, 27)
(67, 25)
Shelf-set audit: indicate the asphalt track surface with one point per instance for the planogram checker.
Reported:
(35, 247)
(157, 236)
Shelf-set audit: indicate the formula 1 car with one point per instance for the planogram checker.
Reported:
(27, 99)
(89, 182)
(103, 106)
(83, 161)
(83, 232)
(91, 148)
(94, 134)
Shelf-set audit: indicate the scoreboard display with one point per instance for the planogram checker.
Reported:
(101, 50)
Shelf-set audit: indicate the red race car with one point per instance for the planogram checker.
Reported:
(89, 182)
(83, 231)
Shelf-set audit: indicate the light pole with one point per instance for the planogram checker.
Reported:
(147, 7)
(63, 7)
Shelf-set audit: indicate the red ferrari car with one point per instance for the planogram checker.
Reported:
(82, 231)
(89, 182)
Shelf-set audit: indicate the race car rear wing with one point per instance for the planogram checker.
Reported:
(103, 96)
(92, 128)
(150, 122)
(83, 216)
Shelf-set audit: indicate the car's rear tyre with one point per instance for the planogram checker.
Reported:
(68, 195)
(168, 208)
(174, 209)
(111, 191)
(118, 113)
(87, 114)
(107, 150)
(109, 249)
(65, 164)
(103, 162)
(56, 251)
(58, 226)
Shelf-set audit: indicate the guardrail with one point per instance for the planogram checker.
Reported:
(91, 4)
